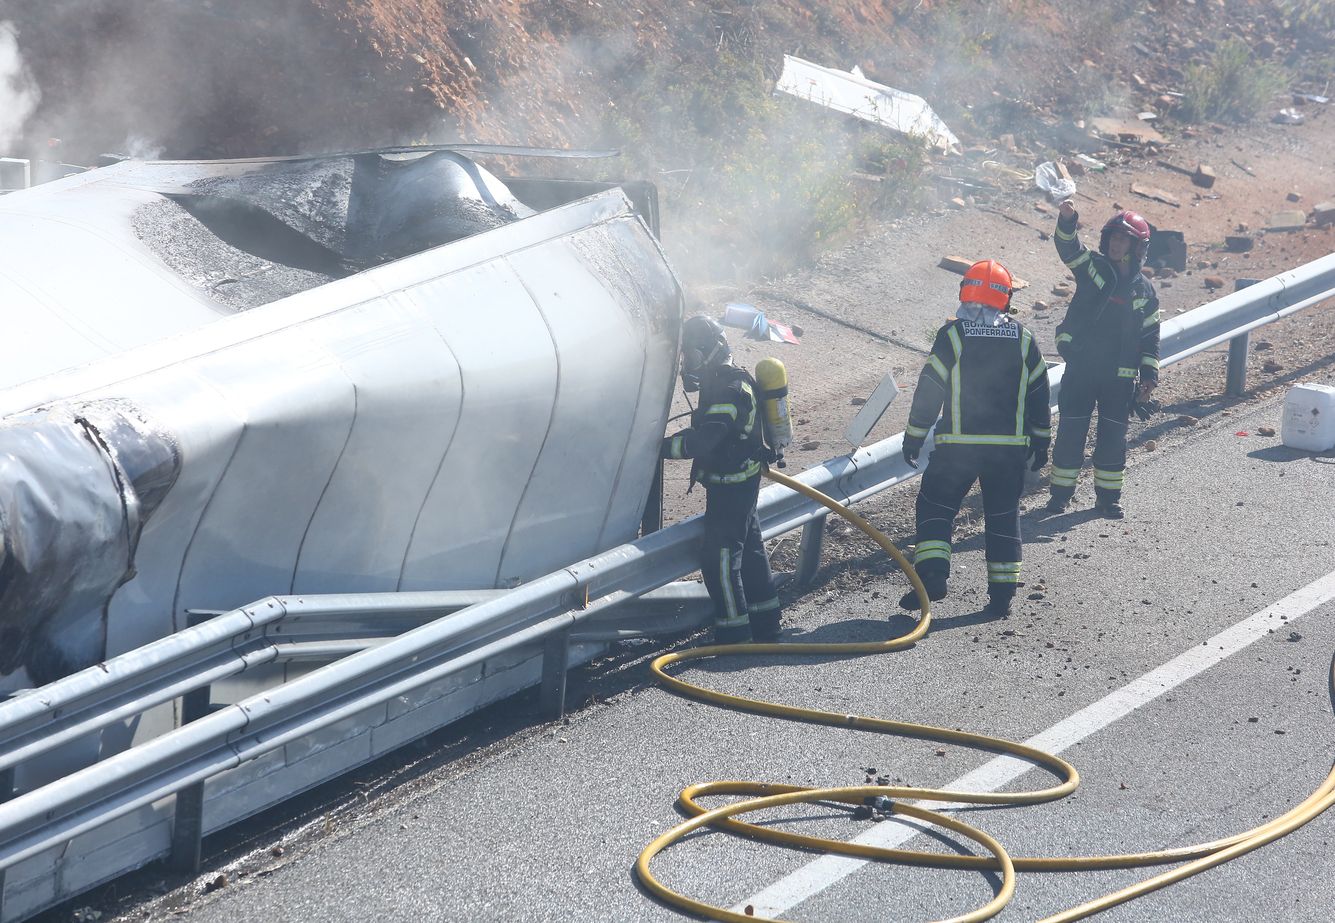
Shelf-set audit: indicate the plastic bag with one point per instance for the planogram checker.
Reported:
(1047, 178)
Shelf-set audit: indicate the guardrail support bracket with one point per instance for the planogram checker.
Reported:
(188, 816)
(6, 792)
(808, 558)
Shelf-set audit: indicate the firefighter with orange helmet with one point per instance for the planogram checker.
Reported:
(987, 380)
(1110, 341)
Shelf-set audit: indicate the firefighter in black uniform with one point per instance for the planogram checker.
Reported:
(988, 373)
(1110, 341)
(725, 440)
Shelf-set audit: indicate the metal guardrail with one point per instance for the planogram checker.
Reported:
(545, 611)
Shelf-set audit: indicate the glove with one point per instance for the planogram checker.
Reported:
(1038, 453)
(912, 448)
(1145, 409)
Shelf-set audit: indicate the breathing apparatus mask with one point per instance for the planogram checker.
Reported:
(703, 345)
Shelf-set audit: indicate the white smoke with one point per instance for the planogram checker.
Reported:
(18, 93)
(139, 147)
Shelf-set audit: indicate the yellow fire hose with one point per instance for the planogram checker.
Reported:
(761, 796)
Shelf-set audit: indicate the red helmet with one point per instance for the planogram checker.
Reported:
(989, 283)
(1132, 225)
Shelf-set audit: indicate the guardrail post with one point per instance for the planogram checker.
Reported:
(808, 558)
(555, 658)
(1237, 364)
(188, 816)
(1238, 348)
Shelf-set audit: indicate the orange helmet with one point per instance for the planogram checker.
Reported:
(987, 282)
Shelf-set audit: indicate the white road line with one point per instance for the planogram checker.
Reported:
(821, 873)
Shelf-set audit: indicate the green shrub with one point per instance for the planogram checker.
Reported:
(1308, 15)
(1233, 84)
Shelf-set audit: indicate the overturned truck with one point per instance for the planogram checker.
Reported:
(355, 373)
(358, 373)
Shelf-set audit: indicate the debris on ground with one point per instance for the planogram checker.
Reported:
(1289, 116)
(758, 327)
(1323, 214)
(1091, 163)
(851, 93)
(1127, 131)
(1287, 221)
(1167, 250)
(1202, 174)
(1158, 195)
(960, 265)
(1239, 243)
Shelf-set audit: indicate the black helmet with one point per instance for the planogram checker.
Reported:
(703, 344)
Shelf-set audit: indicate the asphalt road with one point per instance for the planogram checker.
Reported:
(1221, 527)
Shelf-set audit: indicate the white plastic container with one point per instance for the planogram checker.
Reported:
(1309, 418)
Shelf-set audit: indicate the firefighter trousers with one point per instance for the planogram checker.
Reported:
(953, 470)
(735, 566)
(1084, 391)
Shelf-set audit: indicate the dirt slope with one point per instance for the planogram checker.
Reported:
(205, 78)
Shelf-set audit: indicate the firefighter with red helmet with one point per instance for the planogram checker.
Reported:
(726, 442)
(1110, 341)
(987, 379)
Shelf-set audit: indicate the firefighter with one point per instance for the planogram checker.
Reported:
(725, 441)
(988, 372)
(1110, 341)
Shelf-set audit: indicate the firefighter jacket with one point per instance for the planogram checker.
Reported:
(1112, 324)
(725, 436)
(989, 383)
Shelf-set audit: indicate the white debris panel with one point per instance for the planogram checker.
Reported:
(853, 94)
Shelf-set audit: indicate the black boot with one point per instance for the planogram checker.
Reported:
(765, 626)
(1060, 499)
(1109, 504)
(936, 590)
(732, 634)
(999, 596)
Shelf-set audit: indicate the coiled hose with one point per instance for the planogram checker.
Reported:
(761, 796)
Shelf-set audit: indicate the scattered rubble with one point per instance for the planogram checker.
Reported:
(1158, 195)
(1288, 221)
(1202, 175)
(1126, 131)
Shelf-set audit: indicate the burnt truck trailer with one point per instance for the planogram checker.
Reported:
(371, 372)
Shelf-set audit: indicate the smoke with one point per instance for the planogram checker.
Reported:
(138, 147)
(18, 93)
(203, 80)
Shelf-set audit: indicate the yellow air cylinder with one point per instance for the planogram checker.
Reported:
(772, 378)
